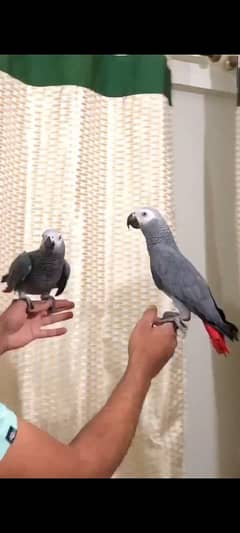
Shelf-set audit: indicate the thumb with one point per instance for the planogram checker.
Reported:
(150, 314)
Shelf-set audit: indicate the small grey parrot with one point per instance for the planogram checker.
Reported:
(39, 271)
(176, 276)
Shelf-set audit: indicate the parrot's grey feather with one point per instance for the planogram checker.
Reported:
(19, 271)
(175, 275)
(64, 278)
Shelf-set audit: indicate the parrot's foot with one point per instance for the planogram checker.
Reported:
(30, 306)
(45, 297)
(174, 317)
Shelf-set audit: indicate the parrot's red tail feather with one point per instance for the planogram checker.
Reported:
(217, 339)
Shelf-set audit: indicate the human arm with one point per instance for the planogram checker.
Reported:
(100, 446)
(107, 437)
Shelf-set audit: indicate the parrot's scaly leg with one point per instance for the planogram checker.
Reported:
(25, 298)
(178, 317)
(49, 297)
(183, 311)
(175, 318)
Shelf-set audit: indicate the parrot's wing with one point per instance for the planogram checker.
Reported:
(19, 270)
(64, 278)
(175, 275)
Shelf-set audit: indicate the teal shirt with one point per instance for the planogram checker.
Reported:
(8, 429)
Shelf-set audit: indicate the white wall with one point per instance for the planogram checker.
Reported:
(204, 140)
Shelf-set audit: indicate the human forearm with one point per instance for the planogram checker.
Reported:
(104, 441)
(95, 452)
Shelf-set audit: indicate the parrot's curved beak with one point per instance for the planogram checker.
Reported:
(49, 243)
(133, 221)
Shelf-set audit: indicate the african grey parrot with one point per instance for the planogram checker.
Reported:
(39, 271)
(175, 275)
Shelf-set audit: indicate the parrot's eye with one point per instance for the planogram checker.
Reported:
(59, 238)
(144, 213)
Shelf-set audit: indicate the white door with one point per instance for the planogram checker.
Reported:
(204, 103)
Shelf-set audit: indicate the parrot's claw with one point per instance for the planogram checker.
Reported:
(49, 297)
(30, 306)
(170, 316)
(181, 326)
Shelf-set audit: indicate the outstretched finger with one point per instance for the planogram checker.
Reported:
(53, 318)
(45, 305)
(63, 305)
(41, 306)
(53, 332)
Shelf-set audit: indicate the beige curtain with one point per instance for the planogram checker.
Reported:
(80, 162)
(237, 164)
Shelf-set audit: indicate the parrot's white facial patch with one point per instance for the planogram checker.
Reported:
(144, 215)
(54, 236)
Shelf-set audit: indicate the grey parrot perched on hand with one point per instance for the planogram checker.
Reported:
(39, 271)
(176, 276)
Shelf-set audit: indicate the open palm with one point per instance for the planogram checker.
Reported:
(18, 328)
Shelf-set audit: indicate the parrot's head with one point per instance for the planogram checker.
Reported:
(52, 242)
(141, 217)
(153, 226)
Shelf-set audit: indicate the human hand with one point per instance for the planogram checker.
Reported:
(18, 328)
(150, 347)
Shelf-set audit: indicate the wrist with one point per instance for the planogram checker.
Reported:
(138, 372)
